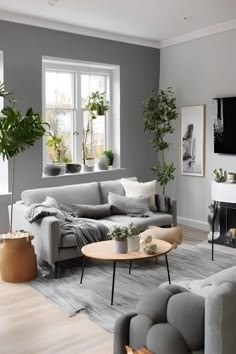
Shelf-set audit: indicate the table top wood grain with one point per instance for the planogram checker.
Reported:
(105, 250)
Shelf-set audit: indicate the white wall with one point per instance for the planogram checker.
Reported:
(199, 70)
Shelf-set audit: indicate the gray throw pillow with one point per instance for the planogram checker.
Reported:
(91, 211)
(162, 203)
(134, 206)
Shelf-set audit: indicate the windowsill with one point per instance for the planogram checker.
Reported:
(84, 173)
(4, 194)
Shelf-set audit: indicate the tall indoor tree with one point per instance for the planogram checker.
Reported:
(18, 131)
(159, 114)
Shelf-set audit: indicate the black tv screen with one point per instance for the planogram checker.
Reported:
(225, 125)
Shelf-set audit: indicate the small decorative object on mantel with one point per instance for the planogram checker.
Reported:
(219, 175)
(231, 177)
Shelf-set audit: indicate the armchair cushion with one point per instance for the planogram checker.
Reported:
(168, 321)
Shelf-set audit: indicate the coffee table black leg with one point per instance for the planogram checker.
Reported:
(167, 266)
(82, 274)
(130, 266)
(113, 281)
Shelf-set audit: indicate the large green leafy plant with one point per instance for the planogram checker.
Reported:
(159, 113)
(18, 131)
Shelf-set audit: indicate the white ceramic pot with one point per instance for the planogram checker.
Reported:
(121, 246)
(90, 162)
(133, 243)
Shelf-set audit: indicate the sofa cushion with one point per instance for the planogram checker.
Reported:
(186, 312)
(91, 211)
(132, 206)
(85, 193)
(158, 340)
(141, 189)
(139, 327)
(161, 219)
(112, 186)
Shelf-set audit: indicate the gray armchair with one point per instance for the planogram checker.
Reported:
(174, 320)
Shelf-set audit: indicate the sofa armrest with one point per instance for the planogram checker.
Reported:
(220, 318)
(121, 333)
(46, 233)
(173, 210)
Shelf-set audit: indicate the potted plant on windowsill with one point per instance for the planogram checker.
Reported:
(18, 132)
(110, 156)
(57, 149)
(97, 105)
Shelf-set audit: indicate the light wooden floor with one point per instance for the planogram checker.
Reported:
(30, 324)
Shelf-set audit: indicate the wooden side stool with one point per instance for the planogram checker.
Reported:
(139, 351)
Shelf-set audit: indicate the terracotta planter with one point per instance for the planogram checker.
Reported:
(17, 260)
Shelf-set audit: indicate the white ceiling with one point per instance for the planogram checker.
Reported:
(156, 22)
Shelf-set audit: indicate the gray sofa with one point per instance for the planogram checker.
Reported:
(46, 233)
(196, 317)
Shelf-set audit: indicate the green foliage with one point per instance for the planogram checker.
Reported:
(122, 232)
(219, 175)
(109, 155)
(164, 173)
(57, 143)
(97, 104)
(17, 131)
(159, 114)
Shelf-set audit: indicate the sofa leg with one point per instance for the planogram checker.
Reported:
(56, 266)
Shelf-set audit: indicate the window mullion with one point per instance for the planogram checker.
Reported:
(78, 119)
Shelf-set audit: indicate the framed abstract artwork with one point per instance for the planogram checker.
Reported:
(192, 151)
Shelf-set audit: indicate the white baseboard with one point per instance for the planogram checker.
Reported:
(193, 223)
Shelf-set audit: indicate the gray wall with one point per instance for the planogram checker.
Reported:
(199, 71)
(23, 48)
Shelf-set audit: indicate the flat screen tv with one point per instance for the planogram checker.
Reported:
(225, 125)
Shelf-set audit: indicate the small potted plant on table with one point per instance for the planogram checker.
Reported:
(133, 238)
(124, 235)
(120, 235)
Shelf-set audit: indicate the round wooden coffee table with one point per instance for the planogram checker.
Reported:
(103, 250)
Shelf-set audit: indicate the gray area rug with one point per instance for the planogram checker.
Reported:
(93, 296)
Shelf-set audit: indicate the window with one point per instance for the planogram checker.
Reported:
(76, 132)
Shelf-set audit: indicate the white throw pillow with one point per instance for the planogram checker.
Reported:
(140, 189)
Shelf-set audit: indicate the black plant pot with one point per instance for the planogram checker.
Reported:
(100, 110)
(52, 170)
(73, 168)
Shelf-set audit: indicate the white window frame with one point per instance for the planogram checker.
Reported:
(79, 68)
